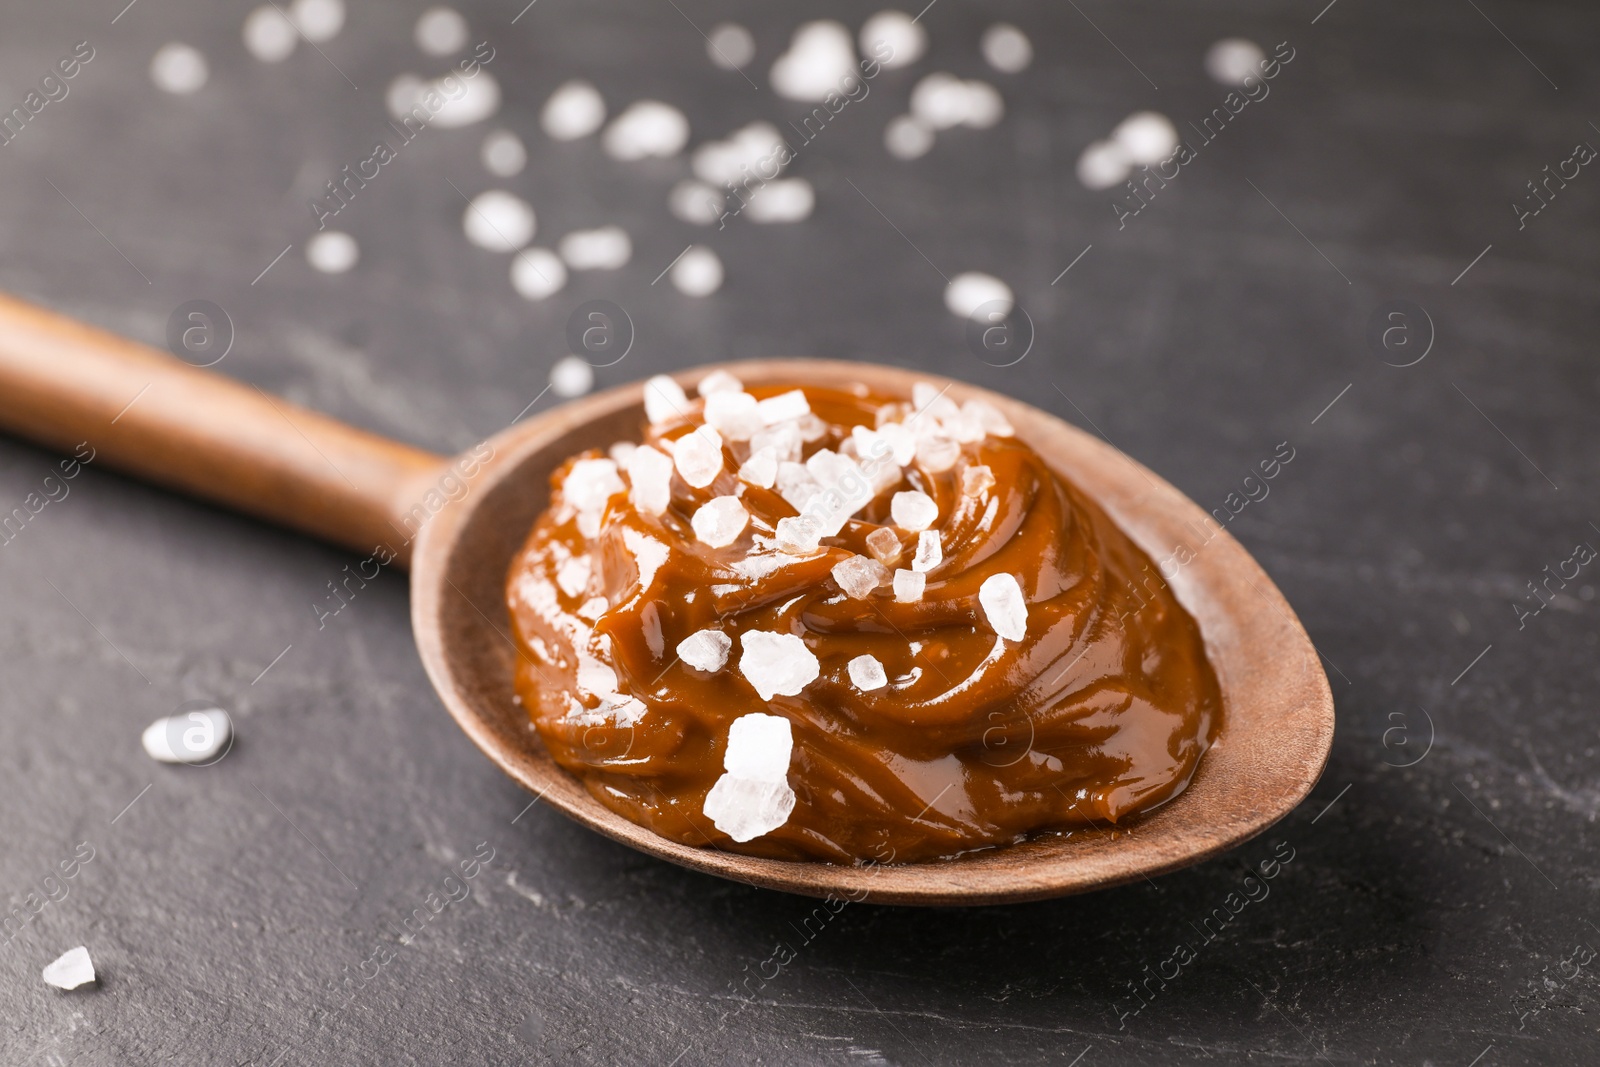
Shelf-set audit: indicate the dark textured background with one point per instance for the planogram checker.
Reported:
(1427, 911)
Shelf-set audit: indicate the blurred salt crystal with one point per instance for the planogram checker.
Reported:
(719, 522)
(664, 399)
(440, 31)
(730, 45)
(696, 202)
(761, 468)
(1003, 605)
(884, 544)
(71, 969)
(783, 438)
(989, 417)
(1102, 165)
(464, 101)
(913, 511)
(705, 650)
(650, 475)
(698, 272)
(503, 154)
(718, 381)
(796, 484)
(537, 273)
(811, 428)
(798, 534)
(193, 737)
(866, 673)
(621, 452)
(317, 20)
(740, 156)
(985, 106)
(571, 376)
(930, 551)
(178, 68)
(776, 664)
(820, 58)
(907, 137)
(976, 480)
(647, 129)
(909, 586)
(1006, 48)
(590, 483)
(603, 248)
(498, 221)
(733, 414)
(1146, 137)
(1233, 59)
(760, 747)
(781, 200)
(902, 39)
(573, 575)
(698, 456)
(268, 34)
(936, 454)
(973, 291)
(593, 608)
(574, 110)
(940, 100)
(745, 809)
(622, 710)
(332, 252)
(859, 576)
(784, 406)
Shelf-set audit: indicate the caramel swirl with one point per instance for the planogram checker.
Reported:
(1101, 710)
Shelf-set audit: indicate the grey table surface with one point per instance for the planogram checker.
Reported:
(1439, 907)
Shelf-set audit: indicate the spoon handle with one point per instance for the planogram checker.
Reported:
(76, 388)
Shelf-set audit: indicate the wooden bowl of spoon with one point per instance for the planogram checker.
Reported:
(458, 524)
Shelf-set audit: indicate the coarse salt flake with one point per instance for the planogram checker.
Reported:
(914, 510)
(650, 478)
(698, 456)
(866, 673)
(930, 551)
(664, 399)
(909, 585)
(720, 521)
(760, 747)
(705, 650)
(859, 576)
(776, 664)
(1003, 605)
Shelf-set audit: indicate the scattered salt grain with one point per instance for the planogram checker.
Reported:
(745, 809)
(590, 483)
(698, 456)
(894, 38)
(972, 292)
(884, 544)
(1006, 48)
(909, 585)
(976, 480)
(574, 110)
(1102, 165)
(318, 20)
(733, 414)
(573, 575)
(571, 376)
(783, 438)
(332, 252)
(1147, 137)
(603, 248)
(621, 452)
(760, 747)
(784, 406)
(776, 664)
(498, 221)
(796, 484)
(820, 59)
(718, 381)
(730, 45)
(940, 100)
(441, 31)
(757, 150)
(866, 673)
(696, 202)
(664, 399)
(647, 129)
(1232, 60)
(989, 417)
(71, 970)
(781, 200)
(650, 479)
(811, 428)
(192, 737)
(268, 34)
(800, 535)
(503, 154)
(720, 521)
(178, 68)
(761, 469)
(537, 273)
(705, 650)
(698, 272)
(860, 576)
(914, 511)
(930, 552)
(936, 454)
(907, 137)
(1003, 605)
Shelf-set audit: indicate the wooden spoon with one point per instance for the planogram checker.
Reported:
(144, 412)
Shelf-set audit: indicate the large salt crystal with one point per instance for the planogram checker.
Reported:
(894, 38)
(913, 511)
(866, 673)
(989, 417)
(647, 129)
(698, 456)
(761, 468)
(720, 521)
(1146, 137)
(884, 544)
(1004, 606)
(193, 737)
(664, 399)
(537, 273)
(705, 650)
(650, 472)
(718, 381)
(783, 407)
(573, 575)
(859, 576)
(796, 484)
(936, 454)
(745, 809)
(798, 534)
(776, 664)
(811, 428)
(590, 483)
(909, 585)
(940, 101)
(925, 396)
(976, 480)
(784, 439)
(71, 969)
(733, 414)
(974, 292)
(499, 221)
(619, 709)
(574, 110)
(820, 58)
(930, 552)
(760, 747)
